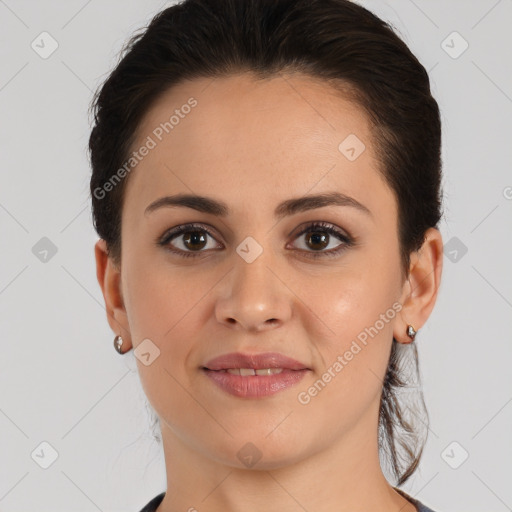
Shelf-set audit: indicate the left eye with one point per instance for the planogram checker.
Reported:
(319, 237)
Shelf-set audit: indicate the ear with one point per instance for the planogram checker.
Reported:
(420, 290)
(109, 279)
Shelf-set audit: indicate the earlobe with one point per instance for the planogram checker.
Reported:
(422, 286)
(109, 279)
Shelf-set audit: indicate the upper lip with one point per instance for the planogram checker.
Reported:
(254, 361)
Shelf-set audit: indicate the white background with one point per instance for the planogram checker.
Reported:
(61, 380)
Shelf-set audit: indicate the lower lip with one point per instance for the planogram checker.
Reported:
(255, 386)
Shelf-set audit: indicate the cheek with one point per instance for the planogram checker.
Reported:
(354, 298)
(158, 298)
(358, 307)
(355, 305)
(353, 353)
(163, 306)
(167, 305)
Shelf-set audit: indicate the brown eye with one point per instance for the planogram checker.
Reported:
(319, 236)
(194, 240)
(317, 240)
(188, 240)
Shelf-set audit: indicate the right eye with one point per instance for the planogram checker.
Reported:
(192, 238)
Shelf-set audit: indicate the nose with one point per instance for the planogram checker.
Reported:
(254, 296)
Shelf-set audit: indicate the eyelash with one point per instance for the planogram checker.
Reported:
(314, 226)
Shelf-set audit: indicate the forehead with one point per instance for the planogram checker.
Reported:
(279, 110)
(276, 137)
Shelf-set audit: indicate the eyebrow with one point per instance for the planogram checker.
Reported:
(286, 208)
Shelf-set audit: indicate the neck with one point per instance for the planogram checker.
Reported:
(343, 476)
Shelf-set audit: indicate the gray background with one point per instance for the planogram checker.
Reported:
(61, 382)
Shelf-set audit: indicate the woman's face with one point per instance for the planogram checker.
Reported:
(252, 283)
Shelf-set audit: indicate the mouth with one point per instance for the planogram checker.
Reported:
(254, 375)
(250, 371)
(249, 383)
(269, 363)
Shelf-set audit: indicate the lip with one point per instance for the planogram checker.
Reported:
(254, 361)
(254, 386)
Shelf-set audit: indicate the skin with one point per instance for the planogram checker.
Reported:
(253, 144)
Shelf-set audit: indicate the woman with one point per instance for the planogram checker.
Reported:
(266, 188)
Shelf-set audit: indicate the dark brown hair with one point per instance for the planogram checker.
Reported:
(337, 41)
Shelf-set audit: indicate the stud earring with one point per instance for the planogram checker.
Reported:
(411, 332)
(118, 343)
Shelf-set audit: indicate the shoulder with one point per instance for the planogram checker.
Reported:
(418, 504)
(423, 508)
(153, 504)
